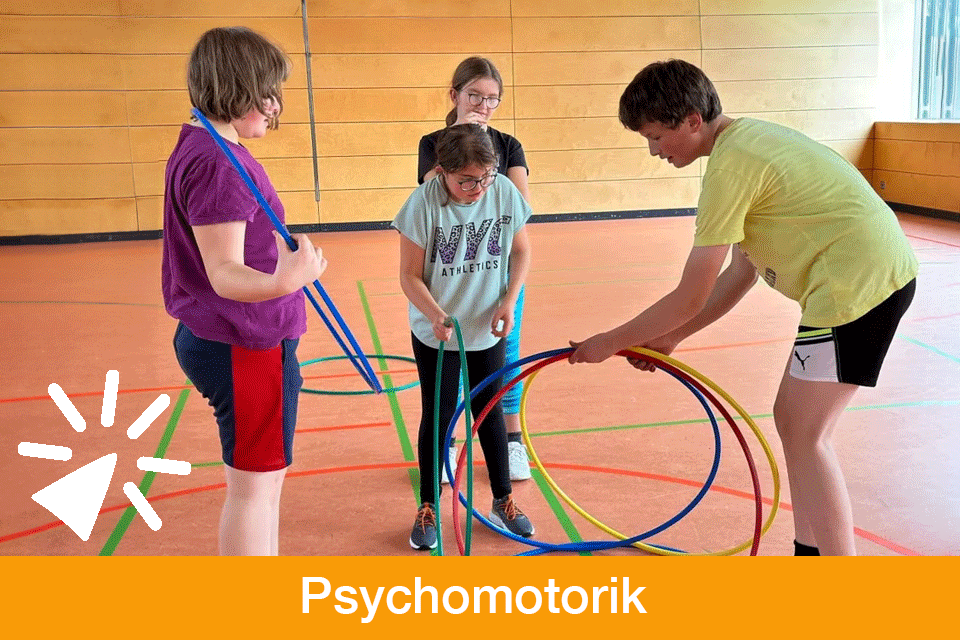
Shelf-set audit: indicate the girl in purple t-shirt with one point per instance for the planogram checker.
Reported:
(232, 282)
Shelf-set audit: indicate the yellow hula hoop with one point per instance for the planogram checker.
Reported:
(775, 472)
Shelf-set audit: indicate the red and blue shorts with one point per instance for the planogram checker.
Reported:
(253, 393)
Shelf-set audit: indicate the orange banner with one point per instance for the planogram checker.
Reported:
(157, 597)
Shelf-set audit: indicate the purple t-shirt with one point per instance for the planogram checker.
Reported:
(202, 187)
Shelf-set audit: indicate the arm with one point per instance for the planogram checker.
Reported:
(221, 248)
(519, 267)
(672, 311)
(518, 176)
(734, 283)
(412, 257)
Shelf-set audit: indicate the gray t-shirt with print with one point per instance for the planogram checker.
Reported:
(467, 252)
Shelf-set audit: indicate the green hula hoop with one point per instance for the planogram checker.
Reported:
(364, 392)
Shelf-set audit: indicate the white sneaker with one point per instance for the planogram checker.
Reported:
(452, 453)
(519, 462)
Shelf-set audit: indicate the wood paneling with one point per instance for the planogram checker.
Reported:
(790, 63)
(29, 217)
(100, 86)
(759, 31)
(68, 182)
(64, 145)
(409, 8)
(590, 67)
(606, 34)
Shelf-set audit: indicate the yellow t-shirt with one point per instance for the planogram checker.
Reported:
(806, 218)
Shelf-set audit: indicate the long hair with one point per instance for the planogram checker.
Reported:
(233, 70)
(667, 92)
(471, 69)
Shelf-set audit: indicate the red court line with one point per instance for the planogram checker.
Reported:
(345, 426)
(936, 241)
(735, 344)
(949, 315)
(883, 542)
(83, 394)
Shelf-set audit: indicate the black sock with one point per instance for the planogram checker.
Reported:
(800, 549)
(515, 436)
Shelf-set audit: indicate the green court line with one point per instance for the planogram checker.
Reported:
(128, 514)
(401, 425)
(562, 517)
(930, 348)
(756, 416)
(398, 421)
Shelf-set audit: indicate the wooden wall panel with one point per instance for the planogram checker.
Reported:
(590, 67)
(415, 35)
(578, 8)
(369, 205)
(600, 164)
(576, 133)
(67, 182)
(63, 145)
(63, 109)
(727, 7)
(30, 217)
(364, 71)
(60, 72)
(369, 172)
(408, 8)
(918, 164)
(621, 195)
(380, 70)
(606, 34)
(932, 192)
(778, 95)
(760, 31)
(791, 62)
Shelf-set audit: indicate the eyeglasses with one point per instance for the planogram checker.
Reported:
(476, 100)
(485, 181)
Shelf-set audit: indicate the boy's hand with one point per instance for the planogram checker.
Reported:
(595, 349)
(663, 345)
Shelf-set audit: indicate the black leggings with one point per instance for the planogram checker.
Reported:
(492, 433)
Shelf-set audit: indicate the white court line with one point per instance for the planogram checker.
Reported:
(45, 451)
(162, 465)
(142, 506)
(110, 398)
(148, 416)
(66, 407)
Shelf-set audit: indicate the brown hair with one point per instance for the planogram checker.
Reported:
(473, 68)
(462, 145)
(233, 70)
(667, 92)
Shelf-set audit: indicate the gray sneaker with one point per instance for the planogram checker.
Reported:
(507, 515)
(423, 537)
(519, 462)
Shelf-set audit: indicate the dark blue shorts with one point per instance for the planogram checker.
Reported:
(253, 393)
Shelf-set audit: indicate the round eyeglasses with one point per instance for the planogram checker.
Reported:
(476, 100)
(485, 181)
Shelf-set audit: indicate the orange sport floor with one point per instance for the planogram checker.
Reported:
(631, 449)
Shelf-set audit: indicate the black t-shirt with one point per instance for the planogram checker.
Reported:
(508, 149)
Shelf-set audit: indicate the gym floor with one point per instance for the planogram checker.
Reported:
(630, 448)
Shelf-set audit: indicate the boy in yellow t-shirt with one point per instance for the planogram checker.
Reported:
(804, 219)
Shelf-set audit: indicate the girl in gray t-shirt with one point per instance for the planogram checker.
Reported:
(464, 253)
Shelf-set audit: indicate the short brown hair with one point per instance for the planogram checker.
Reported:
(667, 92)
(233, 70)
